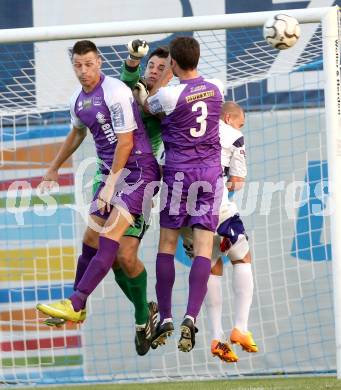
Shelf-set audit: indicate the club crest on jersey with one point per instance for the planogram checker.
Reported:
(100, 118)
(97, 100)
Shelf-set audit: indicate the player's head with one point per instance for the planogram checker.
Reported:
(185, 53)
(157, 62)
(232, 114)
(86, 63)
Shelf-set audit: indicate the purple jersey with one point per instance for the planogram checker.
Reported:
(107, 110)
(190, 128)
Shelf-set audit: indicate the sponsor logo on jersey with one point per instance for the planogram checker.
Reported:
(199, 96)
(106, 127)
(117, 115)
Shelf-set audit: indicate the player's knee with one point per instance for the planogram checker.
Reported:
(217, 267)
(168, 246)
(246, 259)
(91, 238)
(127, 258)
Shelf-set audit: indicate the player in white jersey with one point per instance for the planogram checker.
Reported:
(231, 241)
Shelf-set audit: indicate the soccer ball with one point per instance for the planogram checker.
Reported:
(281, 31)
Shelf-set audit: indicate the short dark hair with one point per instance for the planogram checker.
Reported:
(185, 51)
(161, 52)
(84, 47)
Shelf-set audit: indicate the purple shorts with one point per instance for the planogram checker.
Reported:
(135, 191)
(191, 197)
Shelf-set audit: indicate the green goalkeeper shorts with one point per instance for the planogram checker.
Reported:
(139, 228)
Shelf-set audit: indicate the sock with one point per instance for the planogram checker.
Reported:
(198, 277)
(165, 277)
(83, 261)
(138, 289)
(165, 320)
(214, 306)
(124, 282)
(78, 300)
(98, 267)
(242, 285)
(190, 318)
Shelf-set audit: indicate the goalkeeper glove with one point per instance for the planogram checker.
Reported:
(141, 92)
(137, 49)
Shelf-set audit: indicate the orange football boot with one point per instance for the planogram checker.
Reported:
(223, 351)
(245, 340)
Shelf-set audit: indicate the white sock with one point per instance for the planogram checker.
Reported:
(167, 320)
(190, 317)
(214, 306)
(139, 327)
(242, 285)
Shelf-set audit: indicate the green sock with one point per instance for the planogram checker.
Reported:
(138, 289)
(124, 282)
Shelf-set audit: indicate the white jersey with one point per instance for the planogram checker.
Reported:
(233, 162)
(232, 150)
(108, 110)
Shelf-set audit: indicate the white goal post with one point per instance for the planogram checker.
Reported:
(329, 17)
(154, 26)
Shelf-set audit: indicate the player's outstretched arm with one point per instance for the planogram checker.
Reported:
(71, 143)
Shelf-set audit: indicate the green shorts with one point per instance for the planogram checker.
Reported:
(140, 226)
(138, 229)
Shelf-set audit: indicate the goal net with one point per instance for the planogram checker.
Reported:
(285, 207)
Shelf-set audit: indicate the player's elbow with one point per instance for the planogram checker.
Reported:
(125, 141)
(126, 146)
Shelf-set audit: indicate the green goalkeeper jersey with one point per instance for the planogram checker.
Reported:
(130, 76)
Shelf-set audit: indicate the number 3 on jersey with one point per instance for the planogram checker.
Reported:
(200, 119)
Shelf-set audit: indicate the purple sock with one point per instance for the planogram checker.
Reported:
(165, 276)
(78, 300)
(98, 267)
(83, 261)
(198, 278)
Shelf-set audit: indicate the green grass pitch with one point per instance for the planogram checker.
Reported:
(301, 383)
